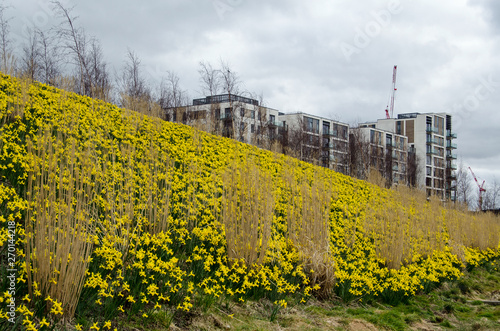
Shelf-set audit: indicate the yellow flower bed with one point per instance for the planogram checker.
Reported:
(149, 214)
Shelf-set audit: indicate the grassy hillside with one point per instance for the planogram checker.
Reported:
(118, 215)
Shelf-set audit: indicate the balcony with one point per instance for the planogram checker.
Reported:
(332, 133)
(430, 129)
(452, 166)
(451, 156)
(433, 151)
(451, 176)
(450, 135)
(394, 155)
(226, 116)
(432, 141)
(391, 144)
(450, 145)
(275, 123)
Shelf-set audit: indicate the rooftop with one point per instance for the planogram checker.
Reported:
(224, 98)
(408, 115)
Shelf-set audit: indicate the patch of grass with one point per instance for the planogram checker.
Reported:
(389, 319)
(446, 324)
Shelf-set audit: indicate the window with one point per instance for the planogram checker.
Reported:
(312, 125)
(252, 128)
(428, 171)
(326, 127)
(428, 160)
(438, 162)
(372, 136)
(343, 132)
(326, 142)
(388, 140)
(272, 118)
(242, 112)
(398, 127)
(253, 114)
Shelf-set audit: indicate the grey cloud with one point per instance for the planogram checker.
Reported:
(291, 52)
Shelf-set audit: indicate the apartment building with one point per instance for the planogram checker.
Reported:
(387, 152)
(430, 137)
(318, 139)
(231, 116)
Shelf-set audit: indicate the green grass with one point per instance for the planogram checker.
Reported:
(454, 305)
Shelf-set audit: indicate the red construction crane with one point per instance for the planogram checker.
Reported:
(481, 189)
(389, 110)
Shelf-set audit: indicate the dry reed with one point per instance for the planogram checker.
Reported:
(308, 214)
(247, 211)
(59, 228)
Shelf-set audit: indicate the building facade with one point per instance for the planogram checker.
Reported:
(318, 139)
(431, 138)
(387, 152)
(231, 116)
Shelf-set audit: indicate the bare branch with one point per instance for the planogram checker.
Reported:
(209, 79)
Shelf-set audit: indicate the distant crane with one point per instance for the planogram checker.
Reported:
(481, 189)
(389, 110)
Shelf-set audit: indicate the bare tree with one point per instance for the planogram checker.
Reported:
(100, 80)
(173, 99)
(209, 79)
(92, 76)
(261, 136)
(134, 92)
(31, 57)
(412, 168)
(359, 154)
(230, 81)
(50, 58)
(8, 64)
(388, 163)
(40, 58)
(210, 83)
(464, 187)
(491, 198)
(303, 144)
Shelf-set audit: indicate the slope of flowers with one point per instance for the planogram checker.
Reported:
(117, 213)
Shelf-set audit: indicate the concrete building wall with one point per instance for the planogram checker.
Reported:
(430, 135)
(325, 139)
(385, 142)
(242, 119)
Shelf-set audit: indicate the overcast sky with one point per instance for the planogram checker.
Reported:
(328, 58)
